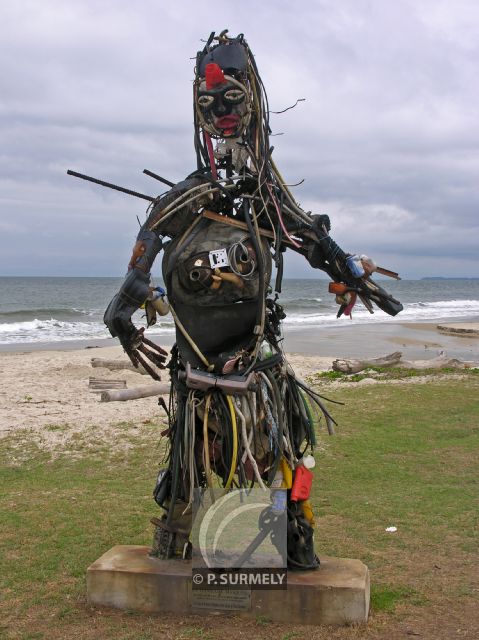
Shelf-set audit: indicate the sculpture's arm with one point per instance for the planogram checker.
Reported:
(169, 216)
(350, 272)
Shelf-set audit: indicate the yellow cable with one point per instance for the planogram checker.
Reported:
(235, 443)
(206, 441)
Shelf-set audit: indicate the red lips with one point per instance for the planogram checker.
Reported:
(227, 122)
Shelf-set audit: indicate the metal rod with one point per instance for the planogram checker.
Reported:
(110, 185)
(211, 215)
(387, 272)
(157, 177)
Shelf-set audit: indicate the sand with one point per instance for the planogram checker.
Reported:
(416, 340)
(45, 393)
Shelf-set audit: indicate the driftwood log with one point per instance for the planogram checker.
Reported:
(440, 362)
(395, 360)
(354, 366)
(120, 395)
(97, 384)
(117, 365)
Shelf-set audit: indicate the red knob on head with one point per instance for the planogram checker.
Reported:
(214, 75)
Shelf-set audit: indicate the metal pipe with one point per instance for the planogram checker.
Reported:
(110, 185)
(157, 177)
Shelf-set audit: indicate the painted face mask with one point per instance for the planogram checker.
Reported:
(222, 103)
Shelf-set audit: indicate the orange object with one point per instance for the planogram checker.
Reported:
(138, 250)
(230, 277)
(337, 287)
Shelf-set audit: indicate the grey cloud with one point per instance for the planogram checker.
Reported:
(387, 139)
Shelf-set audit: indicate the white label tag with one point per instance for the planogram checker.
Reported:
(218, 258)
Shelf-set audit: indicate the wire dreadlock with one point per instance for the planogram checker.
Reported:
(273, 194)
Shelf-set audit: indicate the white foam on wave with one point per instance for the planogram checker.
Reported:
(447, 304)
(87, 312)
(415, 311)
(49, 331)
(54, 330)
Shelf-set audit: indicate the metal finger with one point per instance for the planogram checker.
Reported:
(147, 367)
(132, 357)
(154, 357)
(155, 346)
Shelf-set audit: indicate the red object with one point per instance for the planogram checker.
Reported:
(209, 146)
(349, 308)
(214, 75)
(303, 480)
(228, 122)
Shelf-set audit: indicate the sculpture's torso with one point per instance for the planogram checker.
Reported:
(217, 306)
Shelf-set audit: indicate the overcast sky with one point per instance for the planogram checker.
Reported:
(387, 139)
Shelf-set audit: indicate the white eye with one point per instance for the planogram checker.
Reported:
(205, 102)
(233, 96)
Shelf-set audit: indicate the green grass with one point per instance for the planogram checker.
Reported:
(385, 598)
(59, 513)
(390, 373)
(405, 455)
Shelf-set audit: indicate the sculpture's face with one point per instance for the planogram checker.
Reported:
(223, 106)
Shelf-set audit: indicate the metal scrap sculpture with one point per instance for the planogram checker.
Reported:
(238, 415)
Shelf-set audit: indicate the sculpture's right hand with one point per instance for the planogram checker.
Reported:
(117, 317)
(137, 347)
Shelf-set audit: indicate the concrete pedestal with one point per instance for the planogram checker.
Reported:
(125, 577)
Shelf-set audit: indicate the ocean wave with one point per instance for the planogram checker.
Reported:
(298, 305)
(51, 330)
(45, 313)
(301, 300)
(89, 312)
(55, 329)
(447, 304)
(415, 311)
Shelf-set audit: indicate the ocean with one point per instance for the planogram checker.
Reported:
(40, 310)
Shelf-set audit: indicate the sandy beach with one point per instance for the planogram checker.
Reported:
(44, 387)
(416, 341)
